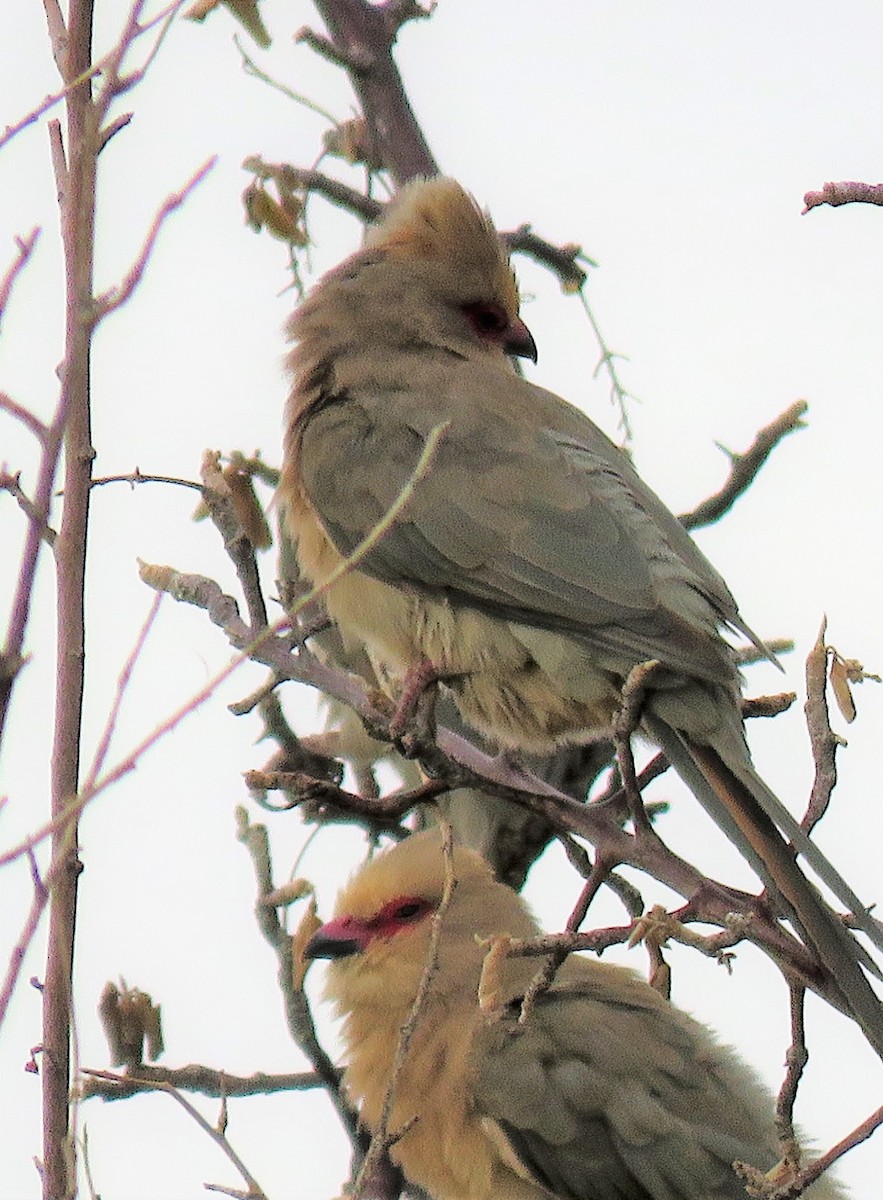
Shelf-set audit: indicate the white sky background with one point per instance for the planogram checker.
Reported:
(674, 142)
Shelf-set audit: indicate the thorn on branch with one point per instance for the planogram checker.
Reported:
(137, 476)
(744, 467)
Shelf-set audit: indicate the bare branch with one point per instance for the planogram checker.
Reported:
(114, 297)
(217, 1135)
(20, 949)
(607, 362)
(823, 740)
(744, 467)
(12, 484)
(625, 722)
(297, 1010)
(308, 180)
(815, 1170)
(122, 685)
(36, 426)
(137, 476)
(251, 68)
(542, 981)
(360, 39)
(836, 194)
(25, 250)
(193, 1078)
(795, 1062)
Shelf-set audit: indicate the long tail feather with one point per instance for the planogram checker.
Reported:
(743, 817)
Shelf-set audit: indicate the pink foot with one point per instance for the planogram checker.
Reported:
(417, 692)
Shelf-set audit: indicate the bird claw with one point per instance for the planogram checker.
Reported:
(414, 718)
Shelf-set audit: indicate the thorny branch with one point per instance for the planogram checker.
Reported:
(217, 1133)
(459, 764)
(745, 466)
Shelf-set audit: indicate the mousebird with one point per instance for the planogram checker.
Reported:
(531, 569)
(606, 1091)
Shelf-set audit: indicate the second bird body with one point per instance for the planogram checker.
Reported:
(606, 1092)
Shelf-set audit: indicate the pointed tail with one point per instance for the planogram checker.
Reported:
(752, 816)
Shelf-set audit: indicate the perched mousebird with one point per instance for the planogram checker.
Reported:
(531, 568)
(607, 1092)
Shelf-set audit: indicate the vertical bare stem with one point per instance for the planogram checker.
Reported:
(77, 201)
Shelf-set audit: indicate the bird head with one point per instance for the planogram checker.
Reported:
(433, 274)
(378, 941)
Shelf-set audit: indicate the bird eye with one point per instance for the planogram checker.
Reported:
(487, 319)
(409, 910)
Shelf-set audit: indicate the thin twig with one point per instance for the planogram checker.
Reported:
(25, 250)
(36, 426)
(543, 979)
(382, 1138)
(116, 296)
(122, 684)
(816, 1169)
(625, 722)
(12, 484)
(26, 937)
(297, 1009)
(193, 1078)
(745, 466)
(618, 393)
(217, 1135)
(795, 1062)
(250, 67)
(137, 476)
(823, 740)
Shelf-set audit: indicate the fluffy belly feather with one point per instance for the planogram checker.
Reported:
(518, 686)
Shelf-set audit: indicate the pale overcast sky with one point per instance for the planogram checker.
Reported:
(675, 143)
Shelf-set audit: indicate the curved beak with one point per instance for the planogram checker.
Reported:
(519, 341)
(336, 939)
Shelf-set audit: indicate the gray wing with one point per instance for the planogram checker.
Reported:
(537, 518)
(609, 1099)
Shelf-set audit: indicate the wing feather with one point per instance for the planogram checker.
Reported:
(540, 521)
(608, 1096)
